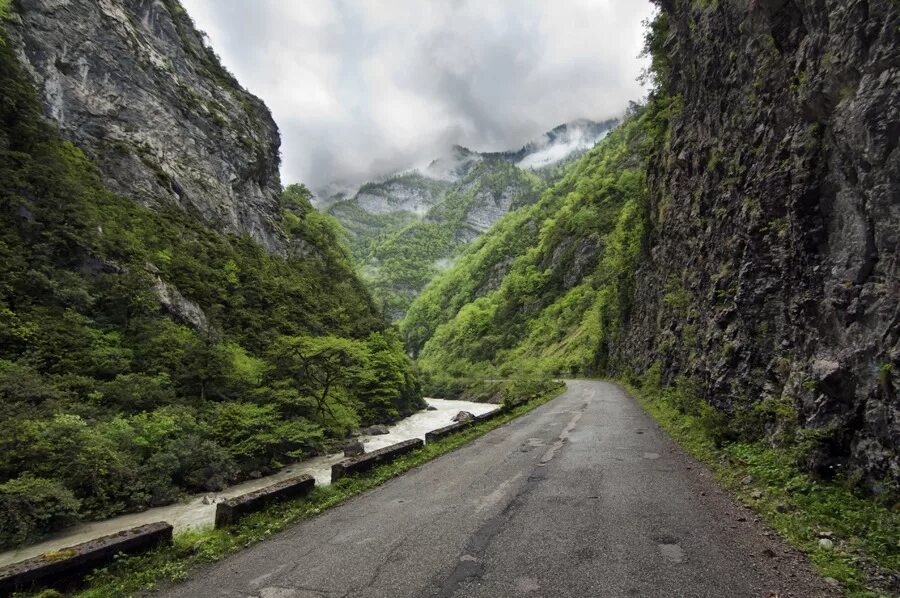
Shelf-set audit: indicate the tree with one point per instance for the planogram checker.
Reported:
(320, 368)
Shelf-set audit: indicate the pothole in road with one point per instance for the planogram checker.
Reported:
(669, 548)
(672, 552)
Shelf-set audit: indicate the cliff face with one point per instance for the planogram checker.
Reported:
(775, 219)
(132, 84)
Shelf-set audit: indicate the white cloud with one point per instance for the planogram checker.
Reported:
(360, 88)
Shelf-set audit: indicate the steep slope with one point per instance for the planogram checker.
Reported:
(537, 290)
(775, 223)
(406, 228)
(400, 263)
(759, 267)
(143, 353)
(135, 87)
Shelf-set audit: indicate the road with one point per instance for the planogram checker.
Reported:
(584, 496)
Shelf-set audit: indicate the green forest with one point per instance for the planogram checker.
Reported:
(111, 404)
(398, 253)
(548, 287)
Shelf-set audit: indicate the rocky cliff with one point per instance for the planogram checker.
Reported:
(133, 84)
(774, 217)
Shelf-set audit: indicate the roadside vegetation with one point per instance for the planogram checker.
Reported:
(849, 537)
(136, 574)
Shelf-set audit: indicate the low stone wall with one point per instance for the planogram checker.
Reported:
(62, 566)
(369, 460)
(447, 431)
(490, 414)
(231, 510)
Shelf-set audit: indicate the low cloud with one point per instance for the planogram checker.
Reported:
(360, 88)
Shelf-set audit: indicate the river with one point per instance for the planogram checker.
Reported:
(193, 513)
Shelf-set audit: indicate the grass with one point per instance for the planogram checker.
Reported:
(131, 575)
(865, 535)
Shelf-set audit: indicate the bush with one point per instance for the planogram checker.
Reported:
(31, 506)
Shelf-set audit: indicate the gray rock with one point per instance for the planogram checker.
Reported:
(135, 87)
(774, 217)
(176, 304)
(431, 408)
(463, 416)
(826, 543)
(353, 449)
(747, 480)
(756, 494)
(376, 430)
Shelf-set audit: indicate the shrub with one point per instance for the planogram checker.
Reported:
(30, 506)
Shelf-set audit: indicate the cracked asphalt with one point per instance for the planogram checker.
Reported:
(584, 496)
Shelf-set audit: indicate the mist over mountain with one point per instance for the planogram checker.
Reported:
(405, 227)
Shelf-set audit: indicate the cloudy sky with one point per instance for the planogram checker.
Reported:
(361, 88)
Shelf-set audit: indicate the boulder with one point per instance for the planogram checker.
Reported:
(376, 430)
(463, 416)
(353, 449)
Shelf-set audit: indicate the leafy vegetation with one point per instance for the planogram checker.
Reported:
(110, 402)
(546, 290)
(400, 252)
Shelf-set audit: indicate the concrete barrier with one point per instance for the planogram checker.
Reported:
(369, 460)
(231, 510)
(447, 431)
(490, 414)
(61, 566)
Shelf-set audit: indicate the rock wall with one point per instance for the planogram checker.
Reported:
(132, 83)
(772, 275)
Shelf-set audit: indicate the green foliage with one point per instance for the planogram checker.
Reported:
(547, 289)
(399, 252)
(30, 506)
(110, 400)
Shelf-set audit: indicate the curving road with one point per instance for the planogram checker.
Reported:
(583, 496)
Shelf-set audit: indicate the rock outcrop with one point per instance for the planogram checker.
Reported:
(132, 83)
(772, 276)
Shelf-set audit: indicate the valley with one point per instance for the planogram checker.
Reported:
(660, 351)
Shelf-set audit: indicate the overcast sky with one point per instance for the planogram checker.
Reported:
(361, 88)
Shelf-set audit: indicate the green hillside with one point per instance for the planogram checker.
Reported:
(546, 288)
(143, 354)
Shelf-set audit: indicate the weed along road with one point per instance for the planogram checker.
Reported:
(583, 496)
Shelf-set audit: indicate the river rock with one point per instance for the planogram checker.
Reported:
(463, 416)
(376, 430)
(353, 449)
(431, 408)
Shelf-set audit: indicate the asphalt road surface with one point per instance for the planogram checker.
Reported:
(583, 496)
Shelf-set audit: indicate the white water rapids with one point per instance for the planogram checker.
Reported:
(192, 513)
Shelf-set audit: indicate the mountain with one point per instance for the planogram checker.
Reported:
(735, 241)
(137, 89)
(407, 227)
(171, 320)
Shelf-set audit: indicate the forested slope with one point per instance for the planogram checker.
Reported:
(548, 285)
(143, 353)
